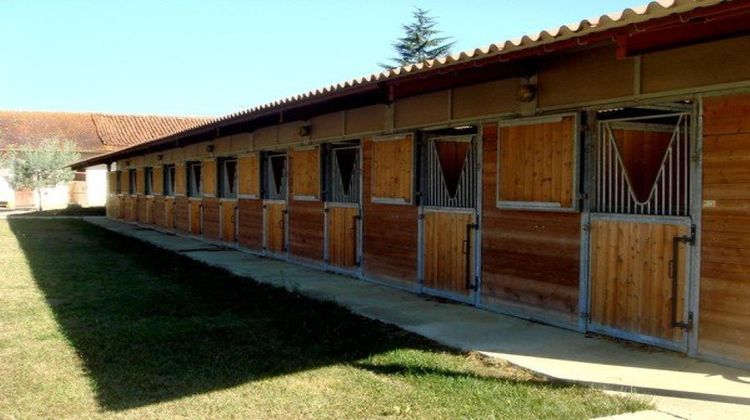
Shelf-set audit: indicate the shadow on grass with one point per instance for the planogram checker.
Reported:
(152, 326)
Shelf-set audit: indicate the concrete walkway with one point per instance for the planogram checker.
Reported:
(679, 386)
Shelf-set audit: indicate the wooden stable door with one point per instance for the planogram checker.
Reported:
(342, 236)
(169, 206)
(195, 217)
(638, 279)
(449, 251)
(275, 227)
(229, 221)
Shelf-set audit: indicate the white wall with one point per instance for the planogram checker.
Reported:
(96, 185)
(6, 192)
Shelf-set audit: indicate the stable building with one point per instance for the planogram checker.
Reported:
(594, 177)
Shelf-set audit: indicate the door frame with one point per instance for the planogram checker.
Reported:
(689, 344)
(474, 294)
(264, 168)
(359, 166)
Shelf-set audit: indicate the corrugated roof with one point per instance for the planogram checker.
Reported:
(543, 39)
(629, 16)
(90, 132)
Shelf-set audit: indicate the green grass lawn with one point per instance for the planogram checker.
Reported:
(95, 324)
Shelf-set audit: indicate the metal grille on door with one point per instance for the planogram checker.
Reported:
(450, 180)
(643, 166)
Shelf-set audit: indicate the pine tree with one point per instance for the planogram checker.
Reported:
(420, 41)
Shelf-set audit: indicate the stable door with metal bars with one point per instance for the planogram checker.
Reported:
(342, 182)
(640, 228)
(448, 214)
(275, 186)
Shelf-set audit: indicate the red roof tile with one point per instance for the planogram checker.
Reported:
(126, 130)
(18, 129)
(91, 132)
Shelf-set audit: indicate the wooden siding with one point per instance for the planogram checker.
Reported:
(248, 171)
(250, 213)
(211, 218)
(180, 183)
(305, 167)
(529, 259)
(590, 75)
(703, 64)
(390, 234)
(169, 212)
(208, 175)
(365, 119)
(392, 163)
(159, 212)
(495, 97)
(182, 214)
(158, 180)
(631, 283)
(724, 328)
(536, 162)
(275, 227)
(228, 221)
(424, 109)
(342, 236)
(195, 216)
(447, 251)
(306, 229)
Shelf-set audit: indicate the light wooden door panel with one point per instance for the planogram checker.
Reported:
(169, 213)
(632, 269)
(448, 251)
(342, 236)
(229, 221)
(275, 227)
(195, 217)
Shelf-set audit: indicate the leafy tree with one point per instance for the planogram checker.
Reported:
(43, 166)
(420, 41)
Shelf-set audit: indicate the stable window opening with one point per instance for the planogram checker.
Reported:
(194, 179)
(169, 180)
(133, 178)
(227, 178)
(148, 181)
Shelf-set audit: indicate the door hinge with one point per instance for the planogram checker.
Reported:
(685, 326)
(689, 240)
(586, 316)
(587, 227)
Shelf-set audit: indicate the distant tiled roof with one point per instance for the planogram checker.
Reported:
(126, 130)
(91, 132)
(18, 129)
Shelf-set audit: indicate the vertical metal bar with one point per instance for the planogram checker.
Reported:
(686, 193)
(608, 169)
(599, 169)
(671, 164)
(678, 175)
(616, 183)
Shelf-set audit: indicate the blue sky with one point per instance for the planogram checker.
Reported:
(203, 57)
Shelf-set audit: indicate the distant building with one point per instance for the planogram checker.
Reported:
(93, 134)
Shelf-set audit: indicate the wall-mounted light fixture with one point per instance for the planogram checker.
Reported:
(304, 130)
(210, 148)
(159, 157)
(526, 92)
